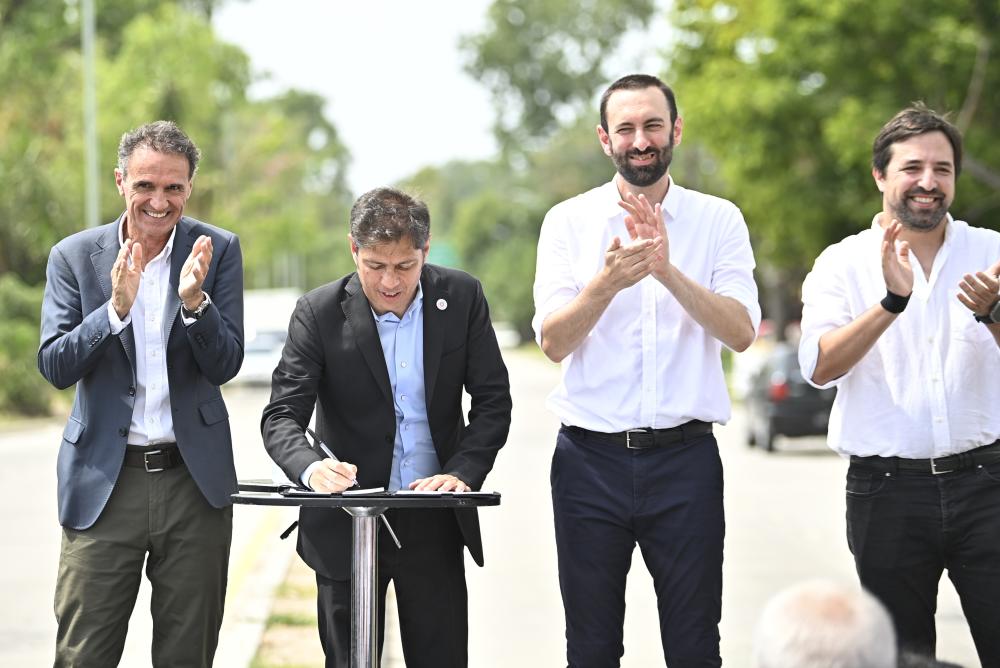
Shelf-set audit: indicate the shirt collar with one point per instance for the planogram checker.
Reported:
(670, 205)
(166, 249)
(949, 229)
(389, 316)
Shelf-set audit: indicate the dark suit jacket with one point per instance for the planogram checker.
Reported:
(77, 347)
(333, 360)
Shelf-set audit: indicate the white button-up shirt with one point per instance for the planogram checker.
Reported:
(646, 363)
(930, 386)
(152, 419)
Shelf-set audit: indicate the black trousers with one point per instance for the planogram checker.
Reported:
(668, 500)
(428, 575)
(904, 529)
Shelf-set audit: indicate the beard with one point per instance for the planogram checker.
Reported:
(923, 220)
(645, 175)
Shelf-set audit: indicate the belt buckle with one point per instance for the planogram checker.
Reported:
(934, 468)
(628, 438)
(145, 461)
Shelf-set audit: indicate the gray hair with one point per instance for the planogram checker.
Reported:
(162, 137)
(387, 215)
(821, 624)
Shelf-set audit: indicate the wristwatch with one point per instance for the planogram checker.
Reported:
(200, 311)
(992, 317)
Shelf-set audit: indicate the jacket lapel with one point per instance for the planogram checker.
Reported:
(436, 300)
(104, 257)
(184, 239)
(358, 313)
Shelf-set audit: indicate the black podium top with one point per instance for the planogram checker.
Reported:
(268, 493)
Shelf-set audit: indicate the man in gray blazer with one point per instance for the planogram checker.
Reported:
(145, 316)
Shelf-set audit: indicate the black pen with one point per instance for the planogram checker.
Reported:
(328, 452)
(354, 483)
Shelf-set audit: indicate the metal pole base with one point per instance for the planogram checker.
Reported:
(364, 586)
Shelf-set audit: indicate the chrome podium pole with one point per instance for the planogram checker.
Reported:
(364, 586)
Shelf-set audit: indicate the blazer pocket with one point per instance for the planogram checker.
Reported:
(73, 431)
(213, 411)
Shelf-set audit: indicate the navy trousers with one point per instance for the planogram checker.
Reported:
(668, 500)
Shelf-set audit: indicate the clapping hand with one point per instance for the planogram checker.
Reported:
(980, 290)
(126, 273)
(896, 267)
(645, 221)
(193, 273)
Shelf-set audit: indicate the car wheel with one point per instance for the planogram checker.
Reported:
(766, 439)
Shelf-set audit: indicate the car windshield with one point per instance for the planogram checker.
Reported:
(266, 341)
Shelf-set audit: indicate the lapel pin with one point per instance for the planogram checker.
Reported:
(442, 304)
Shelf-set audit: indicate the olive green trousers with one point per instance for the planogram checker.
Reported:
(163, 521)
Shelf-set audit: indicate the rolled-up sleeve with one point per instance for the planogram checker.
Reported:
(825, 307)
(732, 275)
(555, 285)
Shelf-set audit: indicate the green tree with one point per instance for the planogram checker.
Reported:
(495, 236)
(543, 60)
(791, 94)
(794, 93)
(272, 170)
(23, 389)
(781, 101)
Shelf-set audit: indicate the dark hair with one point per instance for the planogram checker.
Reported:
(386, 215)
(162, 137)
(638, 82)
(911, 122)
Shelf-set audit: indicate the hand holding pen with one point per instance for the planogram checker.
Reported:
(338, 469)
(335, 476)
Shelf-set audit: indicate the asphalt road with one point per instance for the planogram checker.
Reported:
(785, 523)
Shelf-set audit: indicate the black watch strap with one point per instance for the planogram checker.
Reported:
(992, 317)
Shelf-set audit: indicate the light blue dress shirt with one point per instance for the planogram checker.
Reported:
(413, 455)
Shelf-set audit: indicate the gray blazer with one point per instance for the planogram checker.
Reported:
(77, 347)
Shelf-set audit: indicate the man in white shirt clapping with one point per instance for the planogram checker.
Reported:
(639, 284)
(904, 319)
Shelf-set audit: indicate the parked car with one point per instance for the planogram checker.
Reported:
(261, 354)
(780, 402)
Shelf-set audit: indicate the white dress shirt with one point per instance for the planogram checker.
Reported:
(152, 419)
(930, 386)
(646, 362)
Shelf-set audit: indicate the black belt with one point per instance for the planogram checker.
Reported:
(642, 439)
(987, 454)
(153, 458)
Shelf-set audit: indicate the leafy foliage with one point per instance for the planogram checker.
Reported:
(543, 60)
(790, 95)
(272, 169)
(781, 101)
(23, 389)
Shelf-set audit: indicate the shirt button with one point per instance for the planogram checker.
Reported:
(402, 397)
(402, 364)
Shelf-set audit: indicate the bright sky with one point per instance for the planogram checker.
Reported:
(390, 70)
